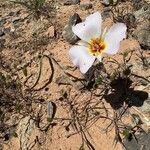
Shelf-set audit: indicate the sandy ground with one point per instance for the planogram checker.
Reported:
(32, 39)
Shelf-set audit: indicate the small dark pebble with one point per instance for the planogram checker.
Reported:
(109, 2)
(11, 14)
(74, 19)
(46, 89)
(106, 12)
(142, 34)
(68, 35)
(71, 2)
(16, 20)
(137, 4)
(1, 33)
(6, 137)
(2, 22)
(2, 43)
(7, 30)
(129, 19)
(86, 6)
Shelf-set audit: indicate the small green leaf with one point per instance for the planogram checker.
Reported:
(125, 54)
(111, 1)
(49, 119)
(2, 78)
(64, 93)
(98, 81)
(126, 133)
(18, 108)
(113, 76)
(15, 134)
(81, 147)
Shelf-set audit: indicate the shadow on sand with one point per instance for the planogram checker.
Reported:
(121, 92)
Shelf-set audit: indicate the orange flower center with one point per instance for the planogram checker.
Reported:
(96, 46)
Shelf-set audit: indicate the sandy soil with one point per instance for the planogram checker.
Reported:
(25, 44)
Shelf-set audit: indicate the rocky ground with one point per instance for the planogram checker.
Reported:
(47, 104)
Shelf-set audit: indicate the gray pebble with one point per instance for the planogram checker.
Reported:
(138, 4)
(2, 22)
(141, 142)
(129, 19)
(16, 20)
(136, 120)
(2, 43)
(51, 109)
(142, 34)
(71, 2)
(1, 33)
(68, 35)
(109, 2)
(86, 6)
(11, 14)
(7, 30)
(106, 12)
(146, 106)
(143, 13)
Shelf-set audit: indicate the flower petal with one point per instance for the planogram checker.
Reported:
(80, 58)
(114, 36)
(83, 43)
(91, 27)
(99, 57)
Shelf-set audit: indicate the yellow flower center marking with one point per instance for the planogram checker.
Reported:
(96, 46)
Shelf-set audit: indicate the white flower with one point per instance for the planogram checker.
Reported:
(93, 42)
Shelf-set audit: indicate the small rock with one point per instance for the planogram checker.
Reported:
(2, 22)
(11, 13)
(62, 80)
(79, 86)
(106, 12)
(138, 4)
(68, 35)
(129, 19)
(51, 109)
(142, 13)
(142, 34)
(109, 2)
(86, 6)
(24, 130)
(51, 31)
(71, 2)
(140, 143)
(7, 30)
(142, 10)
(6, 137)
(16, 20)
(146, 106)
(144, 111)
(1, 33)
(136, 119)
(2, 43)
(74, 19)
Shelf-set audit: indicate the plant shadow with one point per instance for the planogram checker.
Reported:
(121, 92)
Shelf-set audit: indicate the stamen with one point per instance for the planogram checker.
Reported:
(96, 46)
